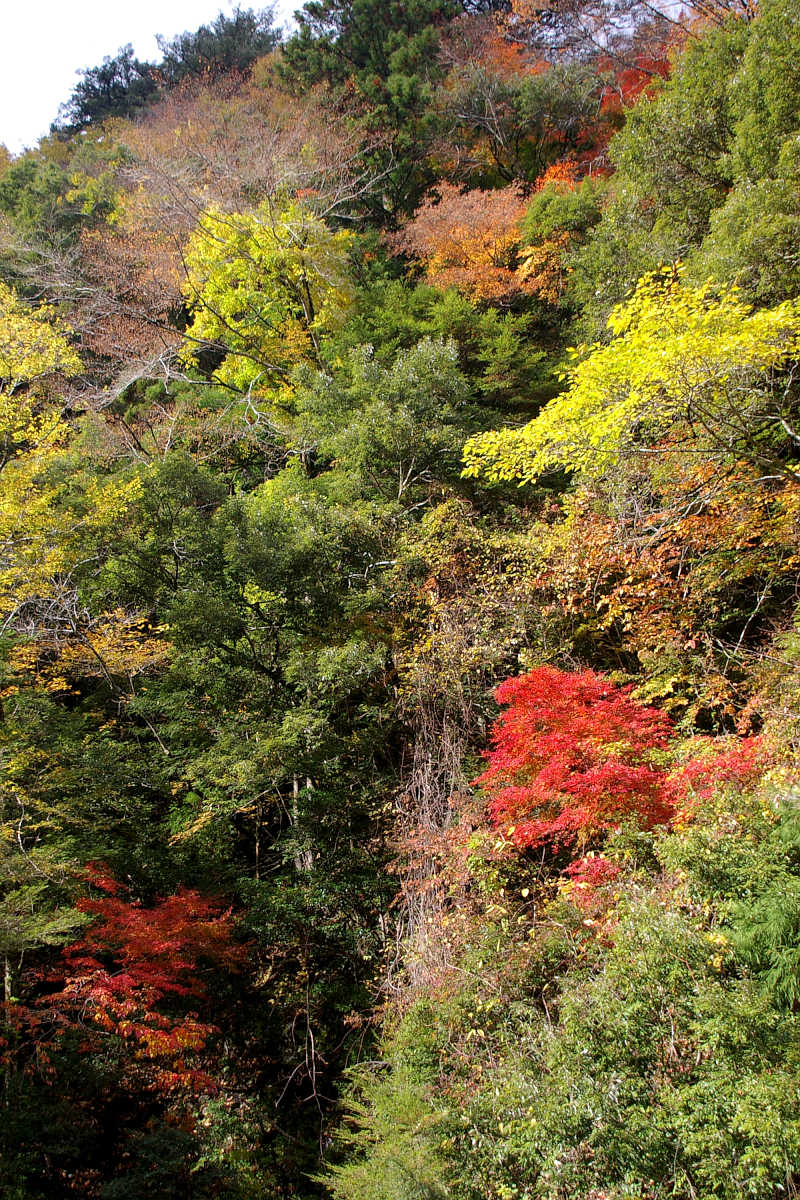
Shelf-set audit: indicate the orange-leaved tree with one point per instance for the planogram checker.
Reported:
(469, 240)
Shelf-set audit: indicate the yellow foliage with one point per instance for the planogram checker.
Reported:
(31, 344)
(679, 358)
(39, 535)
(118, 645)
(262, 285)
(542, 267)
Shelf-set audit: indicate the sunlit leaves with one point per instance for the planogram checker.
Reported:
(679, 359)
(469, 240)
(263, 286)
(31, 346)
(574, 755)
(132, 963)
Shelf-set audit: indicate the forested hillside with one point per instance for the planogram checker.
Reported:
(399, 580)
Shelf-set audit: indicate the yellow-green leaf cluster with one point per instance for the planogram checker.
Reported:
(678, 356)
(32, 347)
(31, 343)
(262, 285)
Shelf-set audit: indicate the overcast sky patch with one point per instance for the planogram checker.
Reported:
(44, 44)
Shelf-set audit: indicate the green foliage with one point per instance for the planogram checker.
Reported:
(574, 210)
(394, 1131)
(228, 44)
(386, 52)
(513, 125)
(494, 347)
(556, 111)
(120, 86)
(672, 160)
(33, 194)
(253, 616)
(652, 1066)
(753, 236)
(766, 91)
(337, 37)
(397, 429)
(557, 225)
(673, 147)
(706, 170)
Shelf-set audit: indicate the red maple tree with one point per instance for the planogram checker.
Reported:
(590, 881)
(631, 80)
(718, 763)
(573, 756)
(138, 974)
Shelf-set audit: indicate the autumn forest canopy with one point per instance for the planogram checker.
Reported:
(399, 629)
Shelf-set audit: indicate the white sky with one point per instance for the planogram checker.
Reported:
(43, 43)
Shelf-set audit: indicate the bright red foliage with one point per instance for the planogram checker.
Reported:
(574, 756)
(588, 876)
(631, 81)
(592, 871)
(135, 971)
(738, 762)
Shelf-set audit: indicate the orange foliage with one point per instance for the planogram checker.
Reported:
(686, 580)
(543, 268)
(480, 40)
(565, 173)
(469, 240)
(134, 266)
(630, 82)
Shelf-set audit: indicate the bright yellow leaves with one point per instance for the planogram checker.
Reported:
(119, 645)
(33, 351)
(31, 345)
(43, 534)
(263, 286)
(48, 517)
(680, 360)
(40, 533)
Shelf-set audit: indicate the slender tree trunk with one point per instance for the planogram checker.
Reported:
(258, 840)
(303, 859)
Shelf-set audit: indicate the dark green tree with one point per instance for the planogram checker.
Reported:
(673, 169)
(382, 59)
(227, 44)
(119, 87)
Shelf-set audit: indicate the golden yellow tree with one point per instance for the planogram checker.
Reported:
(693, 363)
(262, 287)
